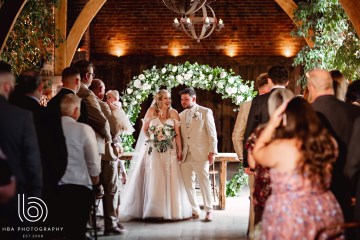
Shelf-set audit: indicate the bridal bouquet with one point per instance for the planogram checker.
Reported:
(161, 137)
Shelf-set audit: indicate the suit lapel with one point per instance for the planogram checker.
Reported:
(192, 122)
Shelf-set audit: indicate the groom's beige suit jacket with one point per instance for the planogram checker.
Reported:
(200, 137)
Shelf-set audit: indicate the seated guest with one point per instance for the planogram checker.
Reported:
(340, 84)
(299, 152)
(82, 171)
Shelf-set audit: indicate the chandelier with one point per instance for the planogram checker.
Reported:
(184, 7)
(199, 26)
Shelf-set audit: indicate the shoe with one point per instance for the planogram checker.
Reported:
(208, 217)
(195, 216)
(113, 231)
(121, 227)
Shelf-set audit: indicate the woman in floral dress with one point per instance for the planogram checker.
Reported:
(300, 154)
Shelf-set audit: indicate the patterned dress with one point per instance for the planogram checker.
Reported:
(296, 209)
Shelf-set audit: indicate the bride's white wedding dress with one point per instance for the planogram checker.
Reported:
(155, 188)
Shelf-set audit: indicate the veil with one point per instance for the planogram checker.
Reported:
(132, 195)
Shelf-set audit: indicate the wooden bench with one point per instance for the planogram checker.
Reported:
(223, 159)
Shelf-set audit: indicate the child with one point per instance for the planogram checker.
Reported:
(116, 109)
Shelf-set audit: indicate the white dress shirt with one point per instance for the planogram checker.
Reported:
(83, 154)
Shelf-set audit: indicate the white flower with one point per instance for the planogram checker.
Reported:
(220, 85)
(244, 88)
(239, 99)
(138, 96)
(249, 98)
(142, 77)
(231, 80)
(133, 102)
(223, 74)
(202, 76)
(179, 79)
(152, 136)
(129, 90)
(187, 76)
(174, 68)
(146, 86)
(156, 77)
(163, 70)
(210, 77)
(229, 90)
(234, 90)
(197, 116)
(137, 83)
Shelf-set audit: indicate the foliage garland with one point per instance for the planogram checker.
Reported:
(195, 75)
(336, 44)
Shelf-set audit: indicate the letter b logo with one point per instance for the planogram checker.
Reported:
(32, 210)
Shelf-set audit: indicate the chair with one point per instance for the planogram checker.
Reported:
(212, 173)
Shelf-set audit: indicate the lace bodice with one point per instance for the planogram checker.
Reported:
(156, 121)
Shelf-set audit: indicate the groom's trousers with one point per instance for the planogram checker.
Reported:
(189, 169)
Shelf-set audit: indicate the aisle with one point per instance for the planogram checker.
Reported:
(228, 224)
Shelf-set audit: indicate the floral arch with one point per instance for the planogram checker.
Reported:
(193, 75)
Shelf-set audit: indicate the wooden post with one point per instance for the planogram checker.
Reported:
(222, 183)
(9, 12)
(351, 8)
(60, 24)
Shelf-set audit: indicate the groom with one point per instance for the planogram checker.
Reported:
(199, 139)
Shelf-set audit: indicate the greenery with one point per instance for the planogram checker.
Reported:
(336, 44)
(32, 39)
(238, 181)
(195, 75)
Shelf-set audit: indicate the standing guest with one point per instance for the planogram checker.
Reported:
(27, 94)
(82, 171)
(352, 166)
(238, 139)
(109, 165)
(353, 93)
(339, 118)
(199, 137)
(7, 181)
(278, 77)
(70, 78)
(300, 153)
(19, 144)
(340, 84)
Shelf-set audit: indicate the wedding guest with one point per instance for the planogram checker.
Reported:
(26, 95)
(262, 185)
(340, 84)
(238, 139)
(339, 118)
(7, 181)
(109, 164)
(82, 171)
(19, 143)
(300, 153)
(353, 93)
(70, 78)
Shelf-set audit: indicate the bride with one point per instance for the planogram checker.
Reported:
(155, 188)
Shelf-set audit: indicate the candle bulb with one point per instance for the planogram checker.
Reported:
(220, 21)
(207, 20)
(188, 20)
(176, 21)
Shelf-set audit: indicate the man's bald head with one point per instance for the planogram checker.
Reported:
(6, 79)
(98, 88)
(320, 83)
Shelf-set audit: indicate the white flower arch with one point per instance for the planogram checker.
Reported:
(193, 75)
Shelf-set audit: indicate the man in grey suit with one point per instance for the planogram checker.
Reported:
(199, 137)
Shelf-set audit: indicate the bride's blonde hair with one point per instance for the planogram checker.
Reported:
(157, 105)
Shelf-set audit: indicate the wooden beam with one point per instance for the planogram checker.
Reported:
(81, 24)
(60, 24)
(289, 7)
(9, 12)
(351, 8)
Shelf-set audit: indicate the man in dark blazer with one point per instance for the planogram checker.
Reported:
(339, 118)
(51, 139)
(19, 144)
(352, 165)
(70, 78)
(278, 77)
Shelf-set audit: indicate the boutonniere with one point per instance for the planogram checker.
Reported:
(197, 116)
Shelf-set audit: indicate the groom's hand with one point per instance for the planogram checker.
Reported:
(211, 158)
(179, 156)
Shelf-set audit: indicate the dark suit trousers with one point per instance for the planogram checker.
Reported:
(74, 208)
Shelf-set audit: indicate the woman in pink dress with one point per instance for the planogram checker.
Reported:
(300, 154)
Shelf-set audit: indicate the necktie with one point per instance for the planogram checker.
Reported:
(188, 117)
